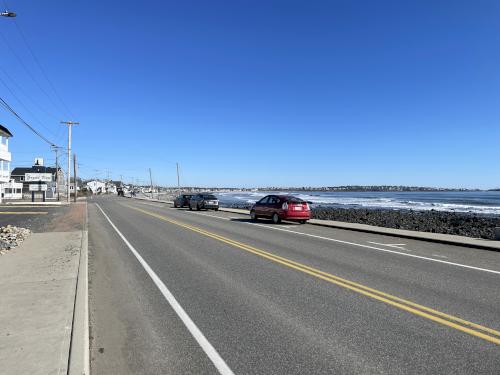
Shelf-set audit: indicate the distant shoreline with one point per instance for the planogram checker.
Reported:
(336, 189)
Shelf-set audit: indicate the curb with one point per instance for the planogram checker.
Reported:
(79, 356)
(422, 236)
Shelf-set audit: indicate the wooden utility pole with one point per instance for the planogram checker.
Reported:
(151, 180)
(178, 180)
(74, 178)
(70, 124)
(56, 150)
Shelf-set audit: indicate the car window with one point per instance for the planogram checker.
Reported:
(263, 200)
(209, 196)
(273, 200)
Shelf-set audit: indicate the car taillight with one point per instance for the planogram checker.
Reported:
(307, 208)
(285, 206)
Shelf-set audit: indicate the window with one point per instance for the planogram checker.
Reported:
(273, 200)
(263, 200)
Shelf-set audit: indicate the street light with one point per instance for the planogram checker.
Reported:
(7, 14)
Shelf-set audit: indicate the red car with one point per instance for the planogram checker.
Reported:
(281, 207)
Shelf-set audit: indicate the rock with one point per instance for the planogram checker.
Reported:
(463, 224)
(11, 236)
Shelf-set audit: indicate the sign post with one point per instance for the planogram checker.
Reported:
(39, 186)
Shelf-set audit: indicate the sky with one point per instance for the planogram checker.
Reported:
(258, 93)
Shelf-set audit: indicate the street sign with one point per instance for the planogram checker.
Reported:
(35, 177)
(38, 187)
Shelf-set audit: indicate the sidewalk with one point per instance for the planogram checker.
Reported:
(39, 280)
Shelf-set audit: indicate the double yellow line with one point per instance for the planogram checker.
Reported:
(473, 329)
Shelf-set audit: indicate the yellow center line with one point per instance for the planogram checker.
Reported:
(23, 212)
(406, 305)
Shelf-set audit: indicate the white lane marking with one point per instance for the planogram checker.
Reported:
(209, 350)
(395, 245)
(439, 256)
(364, 246)
(384, 250)
(202, 214)
(153, 205)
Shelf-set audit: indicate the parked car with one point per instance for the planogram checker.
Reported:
(205, 201)
(182, 200)
(281, 207)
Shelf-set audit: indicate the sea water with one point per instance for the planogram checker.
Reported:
(481, 202)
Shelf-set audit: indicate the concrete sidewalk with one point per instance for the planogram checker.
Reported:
(38, 281)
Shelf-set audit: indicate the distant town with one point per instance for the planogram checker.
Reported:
(108, 186)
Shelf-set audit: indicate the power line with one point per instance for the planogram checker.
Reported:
(4, 104)
(21, 62)
(37, 62)
(28, 96)
(26, 108)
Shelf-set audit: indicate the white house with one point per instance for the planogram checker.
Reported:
(5, 158)
(13, 190)
(96, 187)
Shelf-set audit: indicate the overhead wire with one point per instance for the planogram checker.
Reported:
(62, 110)
(26, 108)
(23, 65)
(4, 104)
(42, 70)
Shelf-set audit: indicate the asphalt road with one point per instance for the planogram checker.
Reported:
(282, 299)
(35, 218)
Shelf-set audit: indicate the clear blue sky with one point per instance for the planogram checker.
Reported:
(261, 93)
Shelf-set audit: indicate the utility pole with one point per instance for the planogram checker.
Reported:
(151, 180)
(56, 150)
(70, 124)
(178, 180)
(74, 177)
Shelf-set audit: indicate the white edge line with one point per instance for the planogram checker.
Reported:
(209, 350)
(365, 246)
(385, 250)
(396, 246)
(86, 323)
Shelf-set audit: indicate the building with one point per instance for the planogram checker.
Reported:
(5, 158)
(13, 190)
(19, 173)
(96, 187)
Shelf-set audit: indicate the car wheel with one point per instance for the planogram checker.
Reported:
(253, 216)
(216, 209)
(175, 205)
(190, 208)
(276, 218)
(302, 221)
(197, 207)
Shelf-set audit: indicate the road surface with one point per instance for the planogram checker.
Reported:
(180, 292)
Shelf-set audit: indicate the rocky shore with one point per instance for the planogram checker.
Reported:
(461, 224)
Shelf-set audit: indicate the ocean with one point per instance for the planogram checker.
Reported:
(481, 202)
